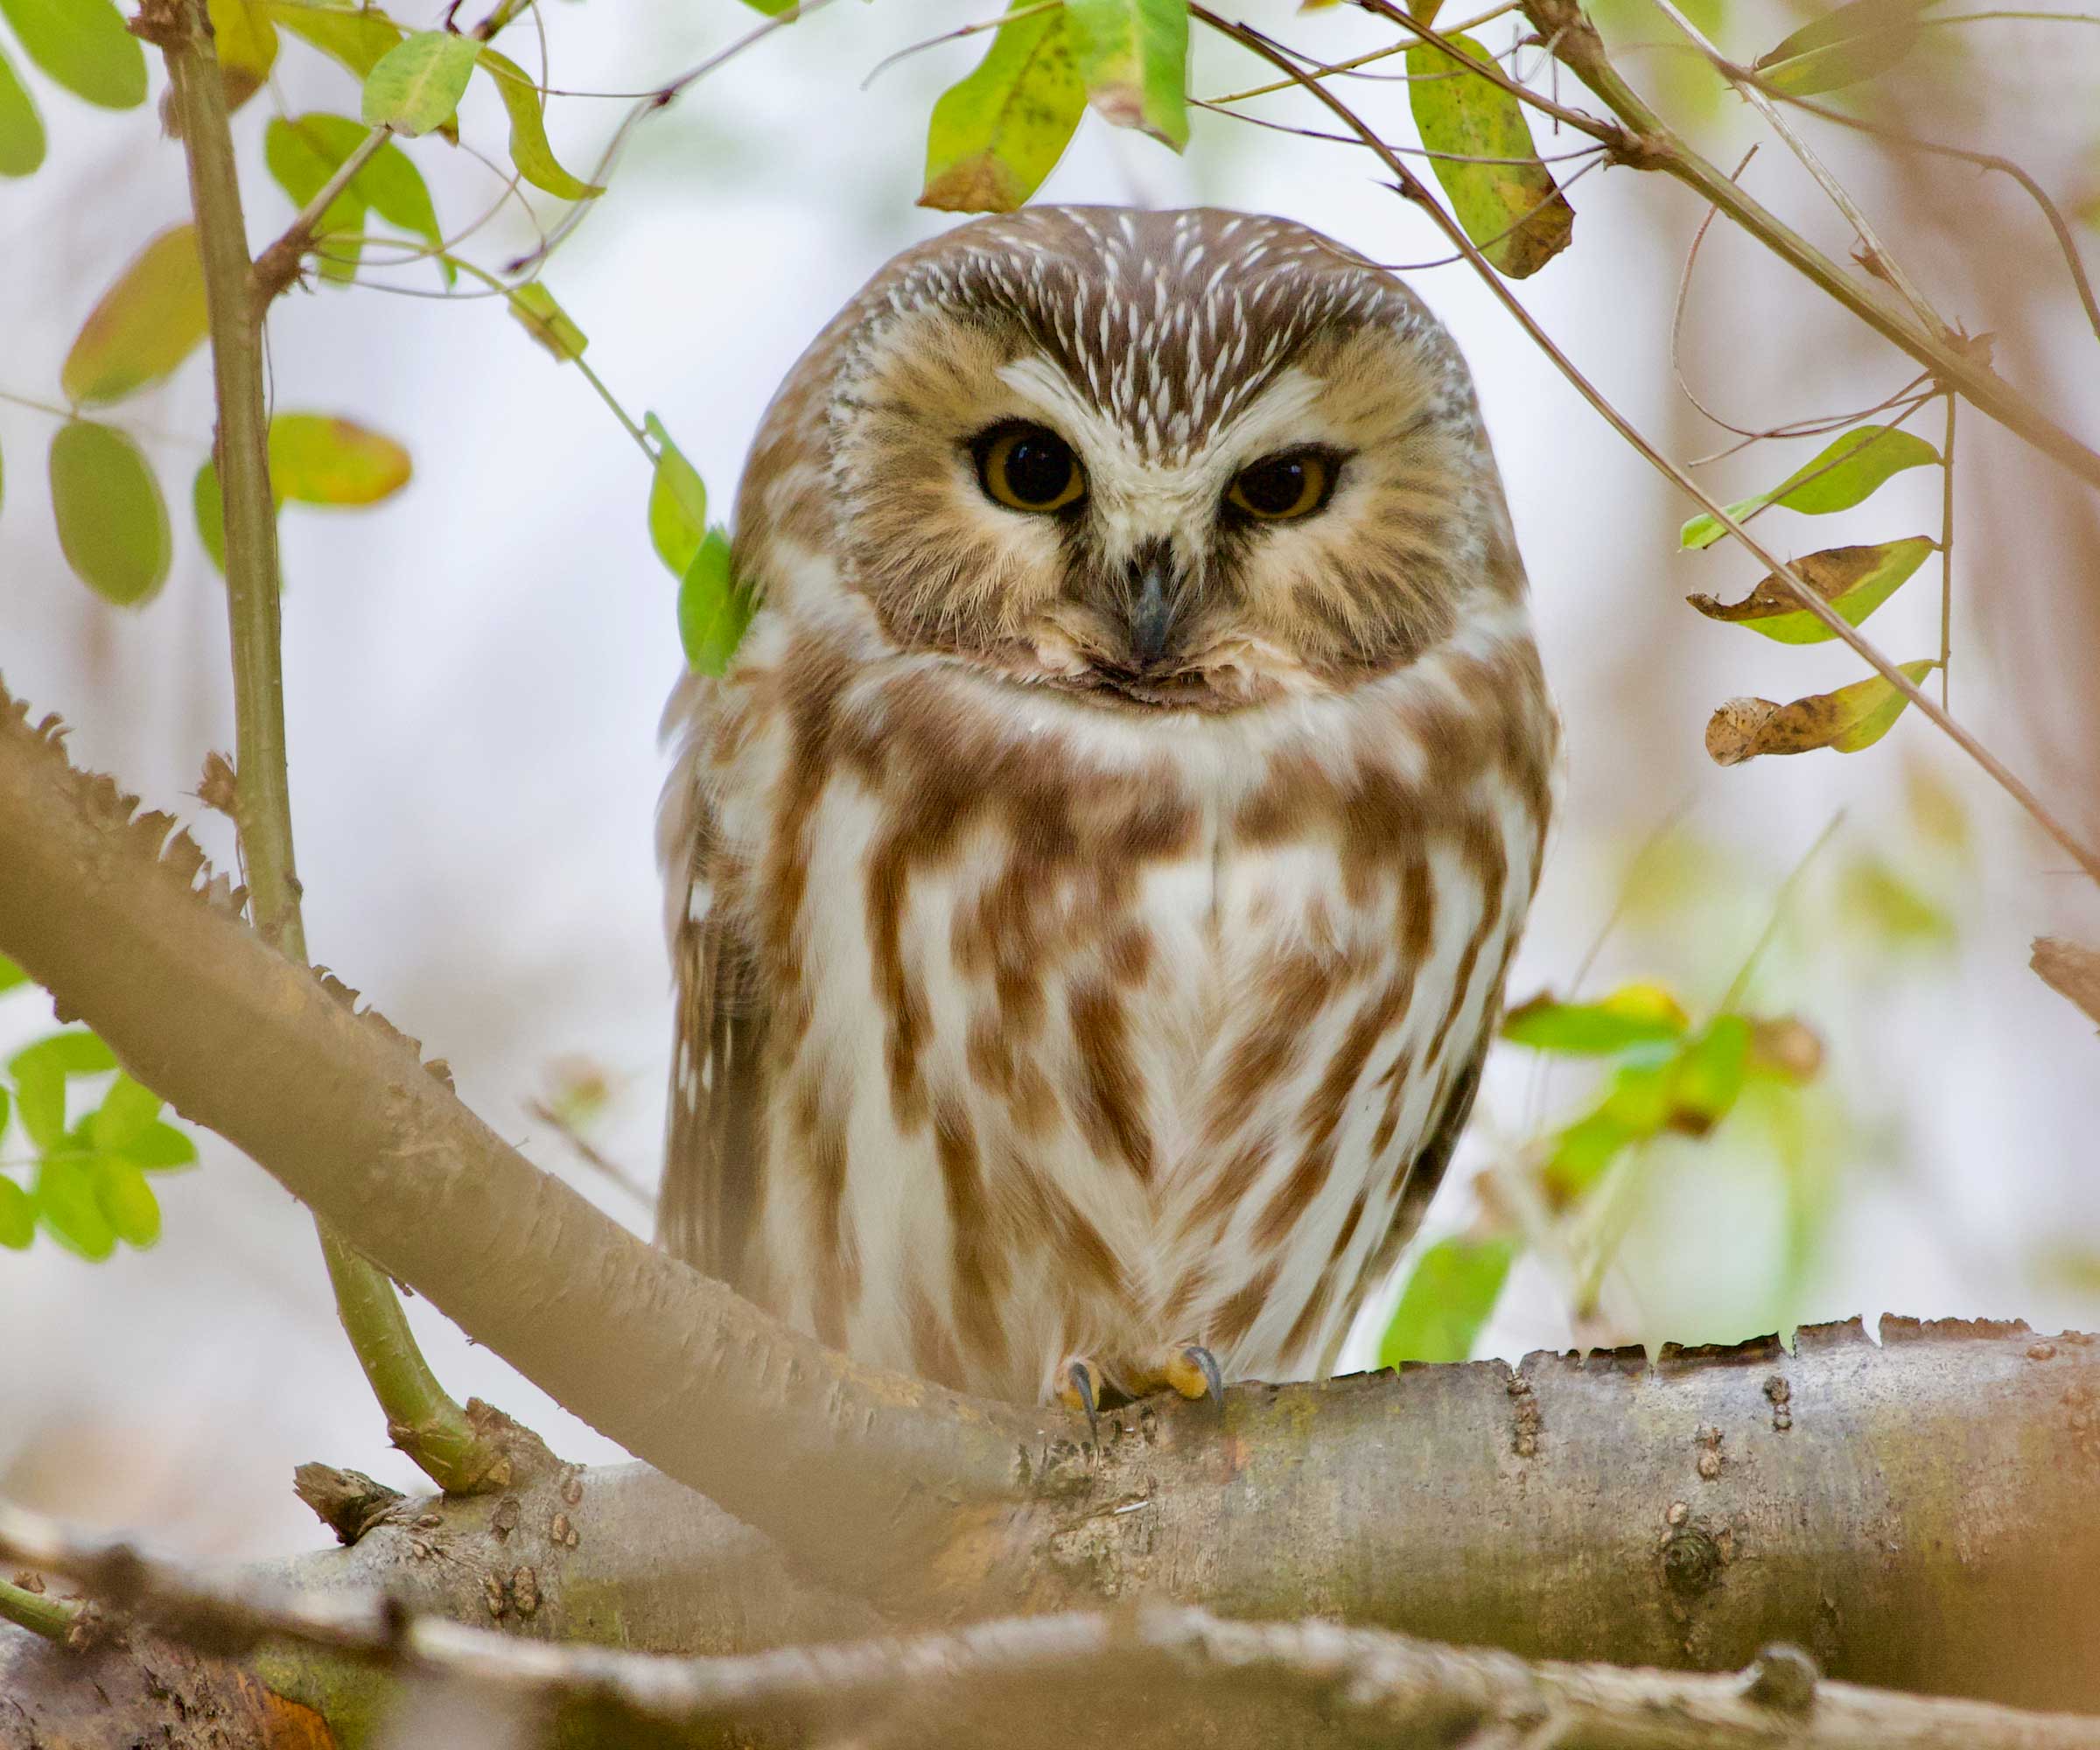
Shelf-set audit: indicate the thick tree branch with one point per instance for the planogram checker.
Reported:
(1162, 1674)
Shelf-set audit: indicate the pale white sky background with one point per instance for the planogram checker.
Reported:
(474, 672)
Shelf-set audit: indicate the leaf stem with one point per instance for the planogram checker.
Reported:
(1947, 550)
(51, 1618)
(408, 1393)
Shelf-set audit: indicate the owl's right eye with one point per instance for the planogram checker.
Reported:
(1028, 467)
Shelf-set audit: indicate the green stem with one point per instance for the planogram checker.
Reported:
(431, 1429)
(51, 1618)
(1656, 145)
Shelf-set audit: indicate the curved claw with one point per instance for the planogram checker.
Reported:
(1206, 1364)
(1076, 1389)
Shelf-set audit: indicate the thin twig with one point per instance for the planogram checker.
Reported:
(1411, 186)
(1355, 61)
(960, 31)
(590, 1154)
(1947, 550)
(1595, 127)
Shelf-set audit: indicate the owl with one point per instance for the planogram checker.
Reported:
(1091, 887)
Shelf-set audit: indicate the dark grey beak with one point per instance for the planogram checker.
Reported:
(1151, 616)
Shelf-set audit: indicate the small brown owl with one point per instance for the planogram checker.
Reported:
(1091, 887)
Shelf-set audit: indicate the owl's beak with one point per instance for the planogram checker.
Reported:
(1152, 618)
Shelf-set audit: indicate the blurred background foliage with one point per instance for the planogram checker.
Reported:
(1773, 1055)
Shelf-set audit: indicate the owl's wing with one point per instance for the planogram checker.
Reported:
(704, 1207)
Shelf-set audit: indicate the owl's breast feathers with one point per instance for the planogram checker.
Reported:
(1012, 1027)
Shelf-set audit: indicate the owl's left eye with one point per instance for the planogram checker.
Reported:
(1281, 488)
(1028, 467)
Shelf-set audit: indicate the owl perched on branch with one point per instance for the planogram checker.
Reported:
(1091, 887)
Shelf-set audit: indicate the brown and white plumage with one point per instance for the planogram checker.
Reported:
(1089, 921)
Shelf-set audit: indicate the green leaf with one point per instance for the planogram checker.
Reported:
(1132, 58)
(1708, 1076)
(113, 524)
(40, 1103)
(127, 1201)
(5, 1100)
(149, 321)
(713, 607)
(17, 1215)
(83, 45)
(1848, 719)
(1473, 118)
(21, 128)
(358, 37)
(317, 458)
(304, 151)
(996, 135)
(129, 1110)
(418, 83)
(1854, 580)
(677, 502)
(302, 160)
(1844, 473)
(1843, 47)
(208, 506)
(71, 1213)
(530, 152)
(546, 321)
(11, 974)
(160, 1148)
(1636, 1014)
(1449, 1297)
(74, 1052)
(773, 8)
(1883, 903)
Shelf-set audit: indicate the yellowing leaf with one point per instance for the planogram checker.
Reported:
(1449, 1295)
(245, 42)
(1844, 46)
(996, 135)
(678, 502)
(1515, 213)
(113, 525)
(1634, 1014)
(83, 45)
(417, 84)
(1844, 473)
(529, 148)
(21, 128)
(1848, 719)
(1854, 580)
(315, 459)
(1132, 58)
(546, 321)
(146, 324)
(714, 608)
(358, 37)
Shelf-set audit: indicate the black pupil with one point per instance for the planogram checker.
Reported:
(1275, 486)
(1038, 468)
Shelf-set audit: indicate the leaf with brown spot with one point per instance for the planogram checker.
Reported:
(1132, 57)
(1847, 720)
(2071, 969)
(1854, 580)
(1469, 115)
(996, 135)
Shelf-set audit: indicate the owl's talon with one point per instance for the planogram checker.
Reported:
(1191, 1369)
(1075, 1390)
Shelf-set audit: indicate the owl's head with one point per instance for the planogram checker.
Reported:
(1193, 460)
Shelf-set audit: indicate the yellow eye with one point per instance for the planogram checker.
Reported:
(1028, 467)
(1278, 488)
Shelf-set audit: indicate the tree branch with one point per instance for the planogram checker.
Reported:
(1162, 1674)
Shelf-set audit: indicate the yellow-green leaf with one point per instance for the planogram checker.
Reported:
(146, 324)
(773, 8)
(21, 128)
(1513, 212)
(246, 41)
(302, 162)
(1844, 46)
(1845, 473)
(996, 135)
(83, 45)
(1848, 719)
(66, 1202)
(530, 152)
(17, 1215)
(418, 83)
(315, 459)
(11, 974)
(356, 37)
(714, 608)
(1854, 580)
(678, 502)
(74, 1051)
(127, 1201)
(1635, 1014)
(1449, 1295)
(113, 524)
(1132, 58)
(207, 504)
(304, 151)
(129, 1110)
(546, 321)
